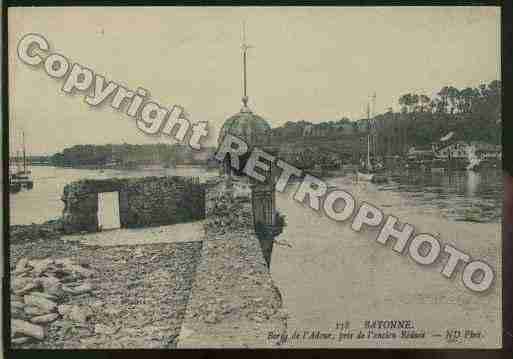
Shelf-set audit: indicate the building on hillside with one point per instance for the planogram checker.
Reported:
(454, 150)
(420, 153)
(487, 151)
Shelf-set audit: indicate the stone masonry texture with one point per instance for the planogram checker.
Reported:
(143, 202)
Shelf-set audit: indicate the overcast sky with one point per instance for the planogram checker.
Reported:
(312, 64)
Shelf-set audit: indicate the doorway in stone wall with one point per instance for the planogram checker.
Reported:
(108, 211)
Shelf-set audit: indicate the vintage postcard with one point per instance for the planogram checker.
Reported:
(254, 177)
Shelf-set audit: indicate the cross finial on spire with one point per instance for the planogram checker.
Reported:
(245, 48)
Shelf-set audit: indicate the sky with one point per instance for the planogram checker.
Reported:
(314, 64)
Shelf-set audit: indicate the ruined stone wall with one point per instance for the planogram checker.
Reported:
(148, 201)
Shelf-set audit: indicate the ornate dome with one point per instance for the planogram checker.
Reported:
(247, 126)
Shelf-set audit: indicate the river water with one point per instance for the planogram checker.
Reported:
(44, 202)
(331, 274)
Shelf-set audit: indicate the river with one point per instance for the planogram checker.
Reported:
(332, 274)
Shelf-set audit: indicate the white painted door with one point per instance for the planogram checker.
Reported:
(108, 210)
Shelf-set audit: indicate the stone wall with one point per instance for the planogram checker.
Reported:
(148, 201)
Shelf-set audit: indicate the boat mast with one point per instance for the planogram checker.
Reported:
(374, 135)
(18, 160)
(368, 139)
(24, 154)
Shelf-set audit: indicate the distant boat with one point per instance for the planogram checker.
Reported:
(365, 176)
(21, 177)
(366, 173)
(14, 187)
(474, 161)
(473, 215)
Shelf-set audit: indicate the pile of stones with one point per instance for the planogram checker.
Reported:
(39, 290)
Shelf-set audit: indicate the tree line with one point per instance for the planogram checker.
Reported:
(484, 99)
(122, 154)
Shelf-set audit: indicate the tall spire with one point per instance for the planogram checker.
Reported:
(245, 48)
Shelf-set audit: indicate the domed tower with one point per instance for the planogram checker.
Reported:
(246, 125)
(256, 132)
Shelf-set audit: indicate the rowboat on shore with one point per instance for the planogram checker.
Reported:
(363, 176)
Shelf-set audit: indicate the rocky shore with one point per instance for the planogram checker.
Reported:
(65, 295)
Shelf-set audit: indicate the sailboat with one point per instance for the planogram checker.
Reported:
(21, 178)
(367, 173)
(473, 159)
(14, 186)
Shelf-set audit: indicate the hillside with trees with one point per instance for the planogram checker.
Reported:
(474, 114)
(128, 155)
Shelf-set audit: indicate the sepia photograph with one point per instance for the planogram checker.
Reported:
(254, 177)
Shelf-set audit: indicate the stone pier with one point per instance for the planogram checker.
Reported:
(234, 302)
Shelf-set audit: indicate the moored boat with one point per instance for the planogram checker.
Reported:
(22, 177)
(363, 176)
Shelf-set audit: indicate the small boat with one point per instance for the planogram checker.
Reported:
(473, 215)
(379, 178)
(366, 173)
(14, 187)
(22, 177)
(362, 176)
(474, 161)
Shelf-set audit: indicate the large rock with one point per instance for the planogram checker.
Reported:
(22, 266)
(79, 314)
(70, 267)
(17, 304)
(22, 286)
(64, 309)
(40, 266)
(27, 289)
(79, 289)
(81, 271)
(104, 329)
(44, 295)
(20, 340)
(33, 310)
(27, 329)
(40, 302)
(45, 318)
(16, 312)
(52, 286)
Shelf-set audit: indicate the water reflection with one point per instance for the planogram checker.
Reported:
(455, 193)
(473, 180)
